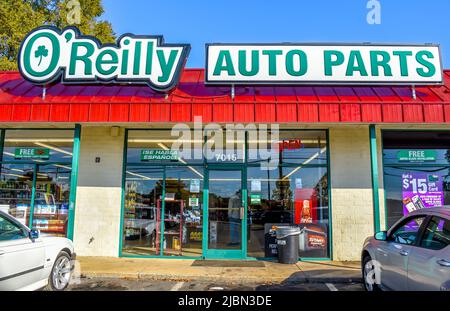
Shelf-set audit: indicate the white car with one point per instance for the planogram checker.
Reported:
(30, 262)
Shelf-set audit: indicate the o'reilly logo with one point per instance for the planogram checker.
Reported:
(48, 53)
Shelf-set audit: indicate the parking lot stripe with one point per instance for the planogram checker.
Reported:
(331, 287)
(177, 287)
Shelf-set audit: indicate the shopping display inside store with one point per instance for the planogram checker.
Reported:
(35, 178)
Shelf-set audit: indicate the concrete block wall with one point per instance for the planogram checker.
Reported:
(99, 190)
(351, 190)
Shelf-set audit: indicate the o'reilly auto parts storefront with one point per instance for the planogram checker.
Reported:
(128, 154)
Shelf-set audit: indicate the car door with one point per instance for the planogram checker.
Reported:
(393, 254)
(21, 259)
(429, 264)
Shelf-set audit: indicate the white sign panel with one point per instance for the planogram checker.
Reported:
(323, 64)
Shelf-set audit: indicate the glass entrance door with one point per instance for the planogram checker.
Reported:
(226, 214)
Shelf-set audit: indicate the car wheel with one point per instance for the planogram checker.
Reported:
(369, 275)
(61, 272)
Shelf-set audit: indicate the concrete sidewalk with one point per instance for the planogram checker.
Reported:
(227, 271)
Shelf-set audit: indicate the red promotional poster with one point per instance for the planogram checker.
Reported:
(305, 205)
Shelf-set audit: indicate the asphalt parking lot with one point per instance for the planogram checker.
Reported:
(116, 284)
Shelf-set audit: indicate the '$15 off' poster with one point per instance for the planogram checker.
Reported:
(421, 190)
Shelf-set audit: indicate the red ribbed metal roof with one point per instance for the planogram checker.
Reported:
(21, 101)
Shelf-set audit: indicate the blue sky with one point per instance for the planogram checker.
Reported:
(250, 21)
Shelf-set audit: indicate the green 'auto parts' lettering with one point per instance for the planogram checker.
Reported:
(329, 63)
(224, 63)
(303, 59)
(376, 63)
(55, 55)
(242, 60)
(356, 63)
(272, 54)
(420, 58)
(403, 58)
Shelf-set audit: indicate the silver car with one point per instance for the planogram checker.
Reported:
(413, 255)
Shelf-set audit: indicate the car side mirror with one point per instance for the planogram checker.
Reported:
(33, 234)
(381, 236)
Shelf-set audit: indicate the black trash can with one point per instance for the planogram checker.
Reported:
(288, 244)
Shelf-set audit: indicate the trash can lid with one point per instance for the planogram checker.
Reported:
(284, 231)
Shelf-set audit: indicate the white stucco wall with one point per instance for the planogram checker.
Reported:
(351, 190)
(98, 204)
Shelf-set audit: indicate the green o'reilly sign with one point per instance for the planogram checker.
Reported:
(48, 54)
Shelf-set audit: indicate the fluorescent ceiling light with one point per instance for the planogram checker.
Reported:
(15, 175)
(16, 169)
(182, 161)
(139, 175)
(53, 148)
(314, 156)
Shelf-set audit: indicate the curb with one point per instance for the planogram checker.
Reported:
(187, 278)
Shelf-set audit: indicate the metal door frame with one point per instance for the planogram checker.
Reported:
(223, 253)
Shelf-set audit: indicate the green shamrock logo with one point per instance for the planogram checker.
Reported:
(41, 52)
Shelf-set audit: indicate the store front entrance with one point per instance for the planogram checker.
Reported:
(221, 205)
(226, 213)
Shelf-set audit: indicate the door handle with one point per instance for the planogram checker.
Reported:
(444, 263)
(2, 252)
(404, 253)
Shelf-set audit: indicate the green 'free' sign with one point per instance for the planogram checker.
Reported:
(416, 155)
(32, 153)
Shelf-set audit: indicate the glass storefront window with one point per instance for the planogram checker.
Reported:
(154, 147)
(38, 146)
(288, 196)
(293, 192)
(51, 199)
(35, 178)
(291, 147)
(416, 171)
(183, 217)
(16, 185)
(143, 191)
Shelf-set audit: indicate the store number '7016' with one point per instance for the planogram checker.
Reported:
(419, 185)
